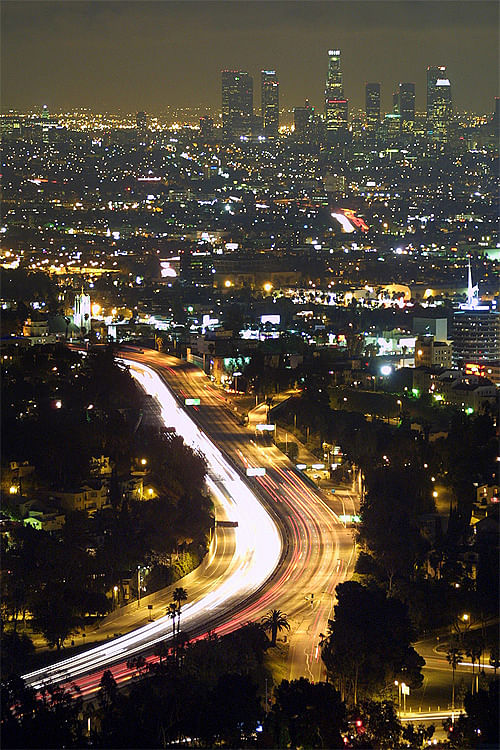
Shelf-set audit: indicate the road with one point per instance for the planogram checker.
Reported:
(289, 550)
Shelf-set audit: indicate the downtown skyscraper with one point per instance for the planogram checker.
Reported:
(406, 102)
(372, 105)
(336, 105)
(270, 101)
(237, 102)
(439, 103)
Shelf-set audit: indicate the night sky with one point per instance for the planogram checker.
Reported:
(148, 55)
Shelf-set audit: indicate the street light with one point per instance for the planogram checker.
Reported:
(115, 596)
(398, 685)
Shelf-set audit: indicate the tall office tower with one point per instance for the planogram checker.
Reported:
(270, 101)
(336, 105)
(372, 105)
(206, 127)
(439, 103)
(395, 103)
(302, 118)
(237, 102)
(141, 121)
(406, 105)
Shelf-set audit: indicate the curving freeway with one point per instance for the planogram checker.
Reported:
(288, 550)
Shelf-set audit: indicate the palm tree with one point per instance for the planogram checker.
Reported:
(179, 595)
(172, 613)
(474, 652)
(275, 621)
(161, 651)
(454, 656)
(495, 657)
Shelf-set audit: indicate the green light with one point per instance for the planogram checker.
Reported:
(469, 410)
(415, 392)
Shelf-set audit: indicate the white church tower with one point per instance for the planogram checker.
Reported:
(81, 315)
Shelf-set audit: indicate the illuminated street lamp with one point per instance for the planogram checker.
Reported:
(268, 286)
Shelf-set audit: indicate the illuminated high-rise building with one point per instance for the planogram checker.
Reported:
(237, 102)
(439, 103)
(372, 104)
(336, 105)
(270, 101)
(406, 101)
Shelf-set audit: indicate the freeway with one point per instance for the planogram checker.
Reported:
(288, 551)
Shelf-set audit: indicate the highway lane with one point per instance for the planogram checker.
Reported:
(323, 551)
(316, 554)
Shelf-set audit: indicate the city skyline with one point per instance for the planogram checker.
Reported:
(177, 59)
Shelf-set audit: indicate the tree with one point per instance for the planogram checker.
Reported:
(473, 644)
(454, 657)
(307, 715)
(275, 621)
(418, 734)
(369, 643)
(380, 722)
(495, 657)
(179, 595)
(139, 664)
(47, 718)
(234, 709)
(54, 614)
(16, 652)
(479, 725)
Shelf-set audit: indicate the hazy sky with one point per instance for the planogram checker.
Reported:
(134, 55)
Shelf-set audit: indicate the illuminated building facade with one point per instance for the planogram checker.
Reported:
(336, 105)
(197, 268)
(82, 312)
(372, 105)
(270, 101)
(237, 102)
(439, 103)
(406, 102)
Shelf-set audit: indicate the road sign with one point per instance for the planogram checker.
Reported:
(265, 427)
(192, 401)
(255, 471)
(333, 492)
(405, 689)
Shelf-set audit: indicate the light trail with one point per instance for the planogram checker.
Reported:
(258, 549)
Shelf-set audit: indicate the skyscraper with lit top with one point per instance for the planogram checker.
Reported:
(336, 105)
(439, 103)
